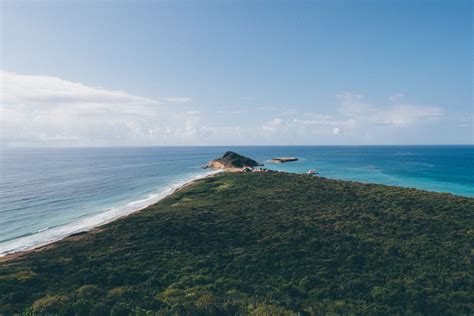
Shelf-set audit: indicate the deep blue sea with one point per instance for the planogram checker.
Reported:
(47, 194)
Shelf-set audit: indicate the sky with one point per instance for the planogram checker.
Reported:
(149, 73)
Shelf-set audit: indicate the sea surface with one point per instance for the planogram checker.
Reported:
(47, 194)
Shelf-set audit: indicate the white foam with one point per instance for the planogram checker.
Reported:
(46, 236)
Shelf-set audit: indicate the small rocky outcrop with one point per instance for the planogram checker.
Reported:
(284, 159)
(232, 160)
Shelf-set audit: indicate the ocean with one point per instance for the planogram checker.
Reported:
(47, 194)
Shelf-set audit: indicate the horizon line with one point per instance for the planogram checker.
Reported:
(183, 146)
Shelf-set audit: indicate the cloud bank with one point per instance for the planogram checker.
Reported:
(50, 111)
(398, 113)
(46, 110)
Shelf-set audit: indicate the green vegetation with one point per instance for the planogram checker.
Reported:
(261, 244)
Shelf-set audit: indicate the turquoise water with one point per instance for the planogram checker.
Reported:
(46, 194)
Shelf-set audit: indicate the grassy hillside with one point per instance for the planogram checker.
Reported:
(263, 244)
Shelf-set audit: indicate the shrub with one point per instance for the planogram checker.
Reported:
(51, 304)
(89, 292)
(120, 309)
(271, 310)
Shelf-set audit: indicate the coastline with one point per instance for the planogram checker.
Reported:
(79, 233)
(37, 209)
(228, 237)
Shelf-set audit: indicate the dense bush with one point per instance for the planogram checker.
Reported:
(260, 244)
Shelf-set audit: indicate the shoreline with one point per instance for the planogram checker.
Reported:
(79, 234)
(82, 232)
(236, 234)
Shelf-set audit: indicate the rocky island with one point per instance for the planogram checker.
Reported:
(232, 161)
(283, 159)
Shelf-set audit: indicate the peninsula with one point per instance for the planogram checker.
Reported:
(274, 243)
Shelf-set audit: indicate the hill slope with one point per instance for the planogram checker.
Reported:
(262, 243)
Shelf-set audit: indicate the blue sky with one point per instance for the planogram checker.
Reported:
(216, 73)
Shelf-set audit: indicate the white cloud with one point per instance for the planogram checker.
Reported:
(28, 90)
(398, 113)
(46, 110)
(396, 98)
(297, 128)
(231, 112)
(273, 125)
(357, 122)
(178, 99)
(316, 115)
(336, 131)
(267, 108)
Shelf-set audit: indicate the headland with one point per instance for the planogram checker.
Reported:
(259, 243)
